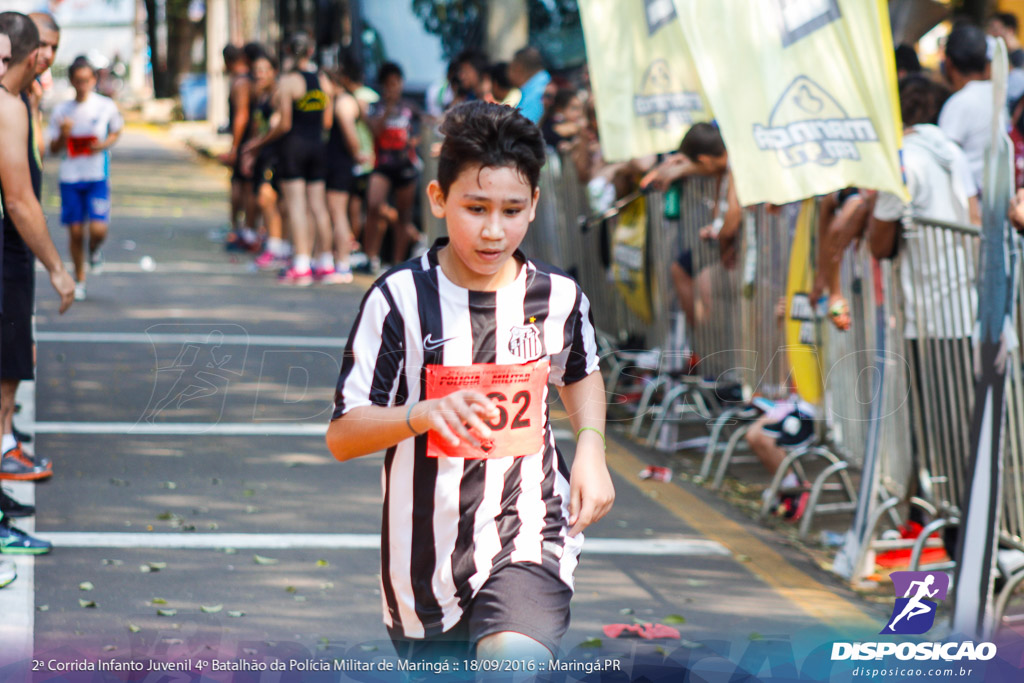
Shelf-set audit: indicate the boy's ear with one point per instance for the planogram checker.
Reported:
(436, 196)
(533, 205)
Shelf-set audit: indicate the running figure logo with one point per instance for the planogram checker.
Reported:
(917, 594)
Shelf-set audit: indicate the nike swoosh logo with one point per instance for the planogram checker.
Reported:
(431, 344)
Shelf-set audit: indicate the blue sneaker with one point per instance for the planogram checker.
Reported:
(14, 541)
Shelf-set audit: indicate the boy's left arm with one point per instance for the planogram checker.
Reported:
(591, 489)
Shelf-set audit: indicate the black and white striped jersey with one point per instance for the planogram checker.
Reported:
(449, 522)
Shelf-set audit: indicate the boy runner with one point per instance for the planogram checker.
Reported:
(447, 368)
(83, 129)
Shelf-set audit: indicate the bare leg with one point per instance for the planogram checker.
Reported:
(684, 292)
(509, 645)
(267, 202)
(405, 231)
(8, 388)
(380, 186)
(76, 241)
(764, 446)
(317, 202)
(97, 234)
(337, 205)
(295, 196)
(236, 203)
(355, 215)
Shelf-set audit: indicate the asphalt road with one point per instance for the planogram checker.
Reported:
(190, 398)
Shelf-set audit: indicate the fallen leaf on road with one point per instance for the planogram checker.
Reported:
(210, 609)
(43, 608)
(85, 586)
(259, 559)
(166, 612)
(86, 603)
(322, 563)
(116, 563)
(237, 613)
(674, 619)
(158, 601)
(133, 628)
(169, 485)
(591, 642)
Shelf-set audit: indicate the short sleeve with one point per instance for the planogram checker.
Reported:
(578, 358)
(951, 121)
(53, 129)
(374, 356)
(889, 207)
(116, 121)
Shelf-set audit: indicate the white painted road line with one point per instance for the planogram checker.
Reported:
(204, 338)
(186, 428)
(202, 428)
(196, 541)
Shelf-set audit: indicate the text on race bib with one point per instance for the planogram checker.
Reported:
(518, 392)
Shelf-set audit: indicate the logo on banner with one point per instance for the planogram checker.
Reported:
(800, 18)
(663, 100)
(808, 126)
(525, 342)
(658, 13)
(917, 596)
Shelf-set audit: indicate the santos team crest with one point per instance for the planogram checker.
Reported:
(525, 342)
(917, 596)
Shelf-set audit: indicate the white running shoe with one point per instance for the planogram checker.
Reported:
(80, 292)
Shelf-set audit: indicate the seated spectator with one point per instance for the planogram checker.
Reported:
(907, 62)
(1005, 25)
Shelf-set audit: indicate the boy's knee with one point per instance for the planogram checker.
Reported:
(511, 645)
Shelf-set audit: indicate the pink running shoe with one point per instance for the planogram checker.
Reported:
(299, 278)
(332, 276)
(269, 261)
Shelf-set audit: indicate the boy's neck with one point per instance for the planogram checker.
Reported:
(461, 276)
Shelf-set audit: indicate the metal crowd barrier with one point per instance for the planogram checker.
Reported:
(929, 295)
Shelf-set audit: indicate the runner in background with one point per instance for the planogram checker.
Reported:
(82, 130)
(395, 124)
(304, 113)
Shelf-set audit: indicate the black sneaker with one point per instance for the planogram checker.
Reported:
(14, 541)
(12, 508)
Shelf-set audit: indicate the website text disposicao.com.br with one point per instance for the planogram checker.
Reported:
(909, 672)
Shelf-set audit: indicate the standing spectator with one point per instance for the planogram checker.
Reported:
(1005, 25)
(237, 66)
(49, 41)
(564, 120)
(302, 115)
(24, 233)
(907, 62)
(526, 72)
(395, 124)
(967, 115)
(472, 75)
(82, 130)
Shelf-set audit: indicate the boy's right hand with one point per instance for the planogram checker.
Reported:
(455, 415)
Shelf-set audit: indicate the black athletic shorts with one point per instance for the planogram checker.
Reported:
(340, 175)
(685, 261)
(302, 158)
(236, 171)
(522, 597)
(361, 185)
(16, 338)
(400, 174)
(792, 427)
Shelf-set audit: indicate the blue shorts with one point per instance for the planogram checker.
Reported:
(85, 202)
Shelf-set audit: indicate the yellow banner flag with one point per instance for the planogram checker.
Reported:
(804, 92)
(644, 82)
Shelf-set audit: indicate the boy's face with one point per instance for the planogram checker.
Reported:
(711, 165)
(391, 88)
(487, 211)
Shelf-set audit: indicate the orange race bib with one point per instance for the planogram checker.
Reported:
(518, 391)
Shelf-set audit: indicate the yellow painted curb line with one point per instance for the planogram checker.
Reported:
(799, 588)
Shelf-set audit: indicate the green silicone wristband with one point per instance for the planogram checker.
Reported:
(592, 429)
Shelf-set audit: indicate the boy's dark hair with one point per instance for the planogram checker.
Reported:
(967, 49)
(23, 34)
(702, 138)
(490, 136)
(478, 60)
(1007, 19)
(274, 64)
(231, 53)
(81, 62)
(499, 75)
(387, 70)
(253, 51)
(906, 59)
(559, 102)
(920, 99)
